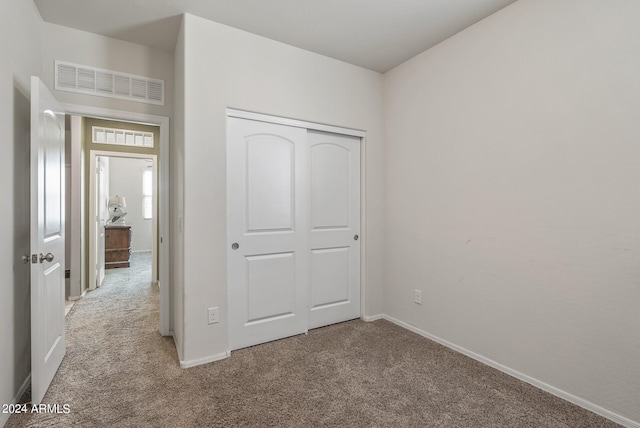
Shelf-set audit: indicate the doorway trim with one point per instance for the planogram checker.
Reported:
(260, 117)
(163, 246)
(93, 155)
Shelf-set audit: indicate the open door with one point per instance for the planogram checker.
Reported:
(47, 238)
(101, 214)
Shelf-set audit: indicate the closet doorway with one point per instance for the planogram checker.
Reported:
(293, 229)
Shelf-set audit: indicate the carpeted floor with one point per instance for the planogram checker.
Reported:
(119, 372)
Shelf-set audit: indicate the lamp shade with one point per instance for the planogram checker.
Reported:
(117, 200)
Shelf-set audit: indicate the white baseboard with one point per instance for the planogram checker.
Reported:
(72, 298)
(192, 363)
(523, 377)
(205, 360)
(178, 350)
(4, 417)
(371, 318)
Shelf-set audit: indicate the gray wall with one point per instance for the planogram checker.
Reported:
(20, 46)
(512, 166)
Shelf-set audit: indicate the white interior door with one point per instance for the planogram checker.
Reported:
(102, 197)
(334, 228)
(47, 238)
(267, 231)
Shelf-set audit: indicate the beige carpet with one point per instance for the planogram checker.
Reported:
(119, 372)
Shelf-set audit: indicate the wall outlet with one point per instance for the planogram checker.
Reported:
(417, 297)
(213, 315)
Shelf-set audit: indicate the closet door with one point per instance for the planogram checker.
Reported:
(267, 197)
(334, 228)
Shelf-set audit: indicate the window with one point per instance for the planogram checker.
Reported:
(147, 194)
(121, 137)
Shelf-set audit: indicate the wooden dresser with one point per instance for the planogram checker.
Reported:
(117, 246)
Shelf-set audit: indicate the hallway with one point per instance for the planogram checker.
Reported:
(112, 338)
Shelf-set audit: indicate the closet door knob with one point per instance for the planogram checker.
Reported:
(235, 246)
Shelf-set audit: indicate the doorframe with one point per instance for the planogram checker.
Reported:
(314, 126)
(163, 243)
(93, 155)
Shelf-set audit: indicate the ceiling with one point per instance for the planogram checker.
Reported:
(374, 34)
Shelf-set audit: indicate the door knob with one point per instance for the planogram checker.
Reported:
(48, 257)
(355, 238)
(235, 246)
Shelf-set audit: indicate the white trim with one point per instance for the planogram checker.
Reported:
(363, 226)
(4, 417)
(523, 377)
(77, 286)
(205, 360)
(372, 318)
(175, 343)
(72, 298)
(163, 187)
(259, 117)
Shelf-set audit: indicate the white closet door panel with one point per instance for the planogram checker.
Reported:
(268, 220)
(334, 230)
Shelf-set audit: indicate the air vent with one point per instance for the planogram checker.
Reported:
(84, 79)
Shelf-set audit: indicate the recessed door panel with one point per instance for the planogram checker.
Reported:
(330, 278)
(53, 289)
(270, 183)
(53, 164)
(329, 195)
(271, 287)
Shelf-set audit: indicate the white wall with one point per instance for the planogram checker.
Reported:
(20, 29)
(177, 198)
(125, 179)
(512, 160)
(80, 47)
(225, 67)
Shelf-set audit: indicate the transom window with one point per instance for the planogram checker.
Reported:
(122, 137)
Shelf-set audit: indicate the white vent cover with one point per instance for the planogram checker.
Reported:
(84, 79)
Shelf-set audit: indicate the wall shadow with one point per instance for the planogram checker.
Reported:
(21, 236)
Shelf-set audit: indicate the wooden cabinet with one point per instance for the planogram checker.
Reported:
(117, 246)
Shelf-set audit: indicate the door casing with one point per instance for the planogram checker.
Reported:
(162, 122)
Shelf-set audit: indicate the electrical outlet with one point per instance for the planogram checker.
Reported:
(213, 315)
(417, 297)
